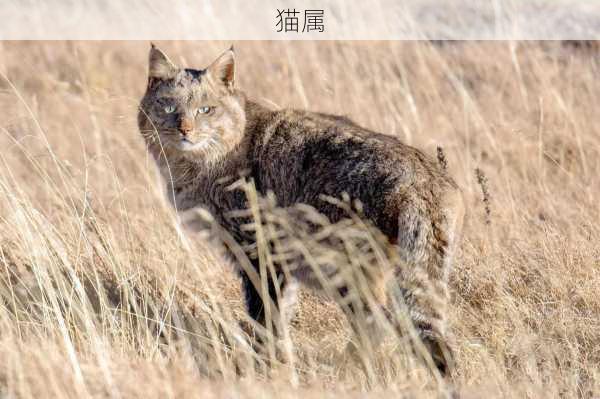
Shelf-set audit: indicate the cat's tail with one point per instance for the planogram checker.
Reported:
(429, 229)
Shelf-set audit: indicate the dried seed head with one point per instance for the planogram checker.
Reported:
(483, 183)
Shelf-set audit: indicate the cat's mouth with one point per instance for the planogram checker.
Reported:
(188, 145)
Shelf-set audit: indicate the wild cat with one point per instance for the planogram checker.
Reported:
(202, 130)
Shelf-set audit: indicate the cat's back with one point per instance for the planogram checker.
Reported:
(315, 147)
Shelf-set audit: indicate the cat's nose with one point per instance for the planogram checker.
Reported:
(186, 125)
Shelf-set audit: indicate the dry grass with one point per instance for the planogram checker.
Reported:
(101, 296)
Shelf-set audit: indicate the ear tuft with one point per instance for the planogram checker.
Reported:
(223, 68)
(160, 67)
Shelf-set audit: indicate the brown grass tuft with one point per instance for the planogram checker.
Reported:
(101, 294)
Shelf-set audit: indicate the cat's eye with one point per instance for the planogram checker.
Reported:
(169, 109)
(204, 110)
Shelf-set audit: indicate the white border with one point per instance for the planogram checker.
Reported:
(256, 19)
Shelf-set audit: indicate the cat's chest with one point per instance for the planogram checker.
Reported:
(183, 197)
(211, 191)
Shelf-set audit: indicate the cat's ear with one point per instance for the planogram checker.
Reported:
(159, 66)
(223, 68)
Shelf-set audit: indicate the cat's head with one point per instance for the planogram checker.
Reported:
(194, 113)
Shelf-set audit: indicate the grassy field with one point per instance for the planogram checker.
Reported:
(101, 296)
